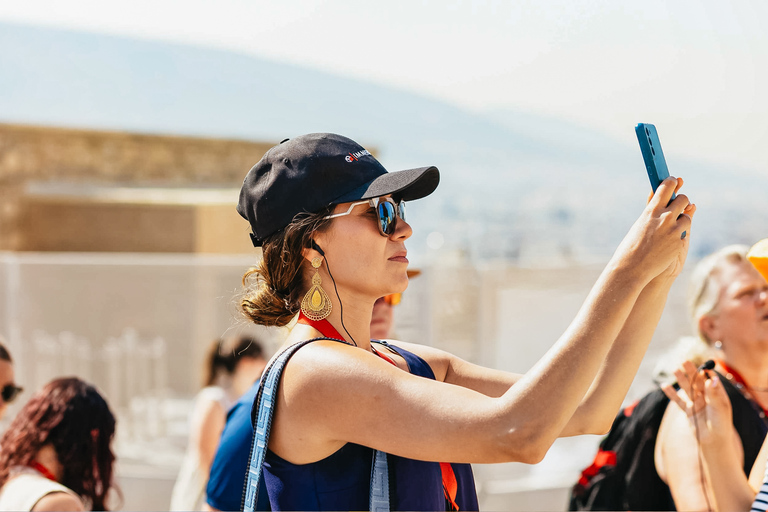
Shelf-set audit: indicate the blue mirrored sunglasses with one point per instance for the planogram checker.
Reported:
(387, 209)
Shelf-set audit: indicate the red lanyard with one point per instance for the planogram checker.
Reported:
(42, 469)
(329, 331)
(739, 380)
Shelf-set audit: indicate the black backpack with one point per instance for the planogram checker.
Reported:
(623, 475)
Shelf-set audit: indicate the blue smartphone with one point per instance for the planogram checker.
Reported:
(653, 156)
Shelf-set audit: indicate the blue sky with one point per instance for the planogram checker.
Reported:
(696, 69)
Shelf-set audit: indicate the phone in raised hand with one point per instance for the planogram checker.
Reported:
(650, 146)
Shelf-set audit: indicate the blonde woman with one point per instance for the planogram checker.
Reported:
(731, 315)
(738, 320)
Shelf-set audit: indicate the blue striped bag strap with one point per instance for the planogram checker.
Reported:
(264, 407)
(378, 498)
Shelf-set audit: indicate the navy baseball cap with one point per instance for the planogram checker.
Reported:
(310, 172)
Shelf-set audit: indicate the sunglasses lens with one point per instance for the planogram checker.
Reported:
(9, 393)
(387, 218)
(401, 209)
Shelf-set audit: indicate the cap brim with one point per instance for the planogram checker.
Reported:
(408, 185)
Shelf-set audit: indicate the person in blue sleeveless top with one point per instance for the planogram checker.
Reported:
(330, 221)
(229, 469)
(226, 480)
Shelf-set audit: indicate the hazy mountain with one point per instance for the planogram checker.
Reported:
(513, 183)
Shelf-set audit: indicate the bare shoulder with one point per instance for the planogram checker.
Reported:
(59, 501)
(329, 360)
(328, 371)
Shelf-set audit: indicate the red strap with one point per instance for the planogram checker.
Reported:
(450, 486)
(736, 375)
(603, 458)
(630, 408)
(42, 469)
(738, 378)
(384, 356)
(329, 331)
(324, 326)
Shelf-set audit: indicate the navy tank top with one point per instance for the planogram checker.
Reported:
(341, 481)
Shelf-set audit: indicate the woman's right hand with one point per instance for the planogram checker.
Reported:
(704, 400)
(655, 244)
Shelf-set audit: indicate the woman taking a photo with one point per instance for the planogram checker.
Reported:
(331, 223)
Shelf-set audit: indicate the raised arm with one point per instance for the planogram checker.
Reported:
(601, 403)
(341, 394)
(597, 411)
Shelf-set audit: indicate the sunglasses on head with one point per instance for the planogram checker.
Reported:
(9, 392)
(387, 209)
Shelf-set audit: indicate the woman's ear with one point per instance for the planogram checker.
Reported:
(709, 328)
(313, 251)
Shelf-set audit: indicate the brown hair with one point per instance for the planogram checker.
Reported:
(74, 418)
(274, 288)
(223, 356)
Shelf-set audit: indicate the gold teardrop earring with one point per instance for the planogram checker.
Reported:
(316, 305)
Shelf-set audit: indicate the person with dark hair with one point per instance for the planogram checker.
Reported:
(8, 388)
(331, 224)
(231, 368)
(56, 454)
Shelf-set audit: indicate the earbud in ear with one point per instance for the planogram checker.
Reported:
(316, 247)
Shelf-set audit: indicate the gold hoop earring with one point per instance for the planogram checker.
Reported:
(316, 305)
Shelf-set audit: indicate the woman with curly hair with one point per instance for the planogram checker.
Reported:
(56, 453)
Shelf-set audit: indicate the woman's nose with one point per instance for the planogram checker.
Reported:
(403, 230)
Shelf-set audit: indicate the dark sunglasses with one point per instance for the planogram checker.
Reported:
(9, 392)
(388, 212)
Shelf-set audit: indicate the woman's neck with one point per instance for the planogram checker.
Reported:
(356, 325)
(47, 457)
(754, 372)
